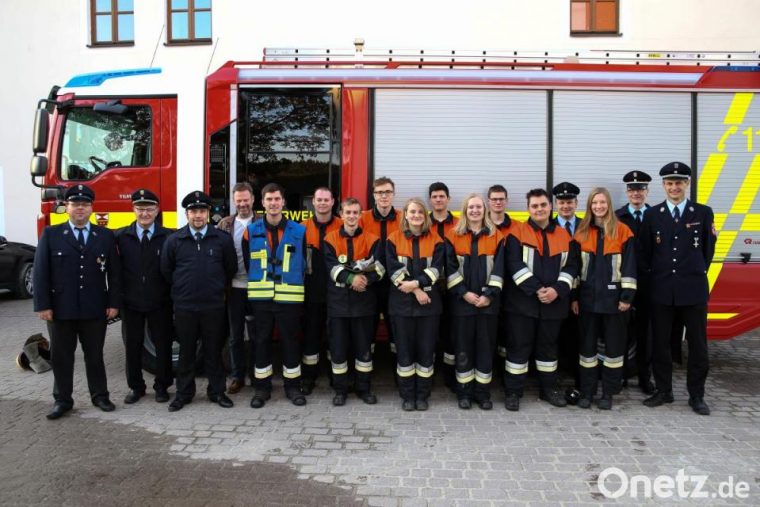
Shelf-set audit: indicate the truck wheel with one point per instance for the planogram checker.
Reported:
(24, 285)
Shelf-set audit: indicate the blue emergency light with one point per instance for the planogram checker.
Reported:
(97, 78)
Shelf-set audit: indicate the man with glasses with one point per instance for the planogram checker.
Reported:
(76, 290)
(639, 331)
(381, 221)
(145, 296)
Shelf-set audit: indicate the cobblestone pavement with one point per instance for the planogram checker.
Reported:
(370, 455)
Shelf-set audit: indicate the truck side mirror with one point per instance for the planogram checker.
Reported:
(41, 125)
(110, 107)
(39, 165)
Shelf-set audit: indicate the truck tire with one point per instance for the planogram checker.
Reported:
(24, 286)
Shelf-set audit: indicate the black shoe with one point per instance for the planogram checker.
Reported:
(584, 402)
(307, 386)
(512, 402)
(104, 404)
(295, 396)
(339, 400)
(260, 398)
(553, 397)
(605, 402)
(177, 405)
(465, 403)
(59, 408)
(367, 397)
(484, 404)
(407, 405)
(646, 386)
(133, 396)
(572, 396)
(162, 395)
(699, 406)
(421, 405)
(220, 399)
(659, 398)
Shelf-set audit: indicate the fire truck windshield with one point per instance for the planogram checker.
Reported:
(94, 141)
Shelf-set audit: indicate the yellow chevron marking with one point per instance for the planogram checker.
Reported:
(709, 176)
(720, 219)
(751, 223)
(723, 245)
(721, 316)
(117, 219)
(738, 109)
(748, 191)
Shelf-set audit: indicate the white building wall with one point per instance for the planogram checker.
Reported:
(44, 43)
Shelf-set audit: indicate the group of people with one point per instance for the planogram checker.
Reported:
(482, 289)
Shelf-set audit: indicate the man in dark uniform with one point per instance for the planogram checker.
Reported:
(639, 330)
(76, 290)
(145, 296)
(199, 261)
(677, 243)
(566, 202)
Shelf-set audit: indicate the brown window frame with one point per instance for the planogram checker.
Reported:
(593, 31)
(114, 13)
(191, 10)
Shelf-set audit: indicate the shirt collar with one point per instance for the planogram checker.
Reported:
(202, 231)
(633, 210)
(151, 229)
(74, 227)
(681, 207)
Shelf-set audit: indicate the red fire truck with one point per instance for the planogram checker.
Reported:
(472, 119)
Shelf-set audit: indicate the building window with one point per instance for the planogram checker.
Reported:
(112, 22)
(189, 21)
(594, 17)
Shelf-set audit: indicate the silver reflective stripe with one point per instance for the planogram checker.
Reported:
(405, 371)
(453, 280)
(564, 259)
(465, 376)
(614, 362)
(423, 371)
(398, 276)
(585, 258)
(528, 254)
(628, 282)
(449, 358)
(546, 366)
(521, 276)
(516, 368)
(588, 362)
(334, 272)
(310, 360)
(564, 277)
(617, 260)
(309, 269)
(379, 269)
(496, 281)
(433, 274)
(489, 265)
(262, 372)
(362, 366)
(339, 368)
(483, 378)
(291, 372)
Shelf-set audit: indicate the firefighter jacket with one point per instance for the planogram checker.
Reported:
(199, 271)
(77, 283)
(677, 255)
(642, 278)
(607, 270)
(477, 266)
(444, 226)
(316, 273)
(276, 262)
(539, 258)
(381, 226)
(143, 287)
(345, 257)
(506, 226)
(420, 258)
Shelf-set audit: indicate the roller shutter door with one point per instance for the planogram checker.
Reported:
(600, 136)
(728, 132)
(469, 139)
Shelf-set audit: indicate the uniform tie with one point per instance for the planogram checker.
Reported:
(80, 237)
(198, 236)
(569, 228)
(676, 214)
(145, 238)
(637, 215)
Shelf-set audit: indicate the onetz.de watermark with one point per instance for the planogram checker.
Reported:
(615, 483)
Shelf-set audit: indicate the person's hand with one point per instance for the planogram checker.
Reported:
(624, 307)
(422, 297)
(408, 286)
(111, 313)
(574, 307)
(471, 298)
(359, 283)
(46, 314)
(483, 301)
(547, 295)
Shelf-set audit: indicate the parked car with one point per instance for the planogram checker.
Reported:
(16, 264)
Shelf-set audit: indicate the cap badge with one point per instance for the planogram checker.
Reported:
(80, 187)
(142, 192)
